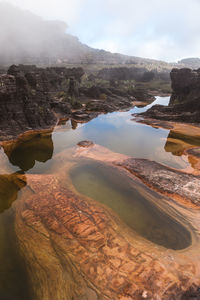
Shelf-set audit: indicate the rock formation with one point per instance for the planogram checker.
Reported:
(87, 253)
(131, 73)
(184, 103)
(37, 98)
(27, 97)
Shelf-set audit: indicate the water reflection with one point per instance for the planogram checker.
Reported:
(74, 124)
(115, 131)
(22, 154)
(30, 149)
(35, 153)
(177, 142)
(13, 278)
(10, 185)
(119, 133)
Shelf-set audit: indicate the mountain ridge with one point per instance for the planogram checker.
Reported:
(26, 38)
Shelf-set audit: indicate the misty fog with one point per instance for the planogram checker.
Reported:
(27, 38)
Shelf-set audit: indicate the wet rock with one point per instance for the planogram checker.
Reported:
(193, 155)
(85, 144)
(166, 180)
(82, 245)
(194, 151)
(83, 115)
(178, 185)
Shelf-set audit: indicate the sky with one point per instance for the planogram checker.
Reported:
(159, 29)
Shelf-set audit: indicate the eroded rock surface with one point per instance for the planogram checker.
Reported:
(166, 180)
(84, 254)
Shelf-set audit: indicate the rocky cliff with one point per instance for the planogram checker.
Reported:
(36, 98)
(28, 97)
(184, 105)
(185, 86)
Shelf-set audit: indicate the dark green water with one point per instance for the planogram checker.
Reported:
(123, 196)
(13, 277)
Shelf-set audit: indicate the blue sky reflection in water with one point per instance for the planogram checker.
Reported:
(118, 132)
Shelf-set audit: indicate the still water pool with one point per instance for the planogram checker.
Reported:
(136, 209)
(116, 131)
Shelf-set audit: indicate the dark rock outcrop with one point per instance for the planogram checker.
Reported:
(185, 85)
(35, 98)
(121, 73)
(131, 73)
(85, 144)
(184, 105)
(28, 97)
(73, 88)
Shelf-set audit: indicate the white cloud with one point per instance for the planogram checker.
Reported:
(162, 29)
(64, 10)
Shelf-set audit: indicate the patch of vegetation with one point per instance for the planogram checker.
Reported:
(62, 96)
(41, 110)
(33, 92)
(157, 85)
(103, 96)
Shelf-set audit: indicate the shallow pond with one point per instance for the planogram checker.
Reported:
(122, 195)
(116, 131)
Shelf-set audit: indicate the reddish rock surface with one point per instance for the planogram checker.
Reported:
(76, 248)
